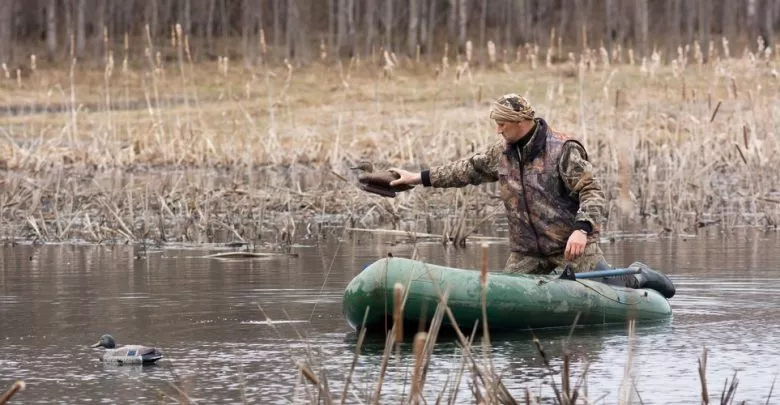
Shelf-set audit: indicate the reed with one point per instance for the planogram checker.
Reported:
(681, 145)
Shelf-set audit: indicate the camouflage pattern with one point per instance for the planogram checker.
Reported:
(590, 259)
(546, 188)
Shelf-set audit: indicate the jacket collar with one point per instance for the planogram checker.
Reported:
(536, 145)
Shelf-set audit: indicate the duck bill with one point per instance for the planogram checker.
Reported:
(96, 345)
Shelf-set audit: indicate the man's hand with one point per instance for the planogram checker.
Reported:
(575, 247)
(405, 177)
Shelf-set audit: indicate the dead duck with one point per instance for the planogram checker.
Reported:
(130, 354)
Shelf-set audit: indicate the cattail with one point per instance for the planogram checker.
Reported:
(483, 268)
(263, 45)
(124, 60)
(16, 387)
(398, 312)
(419, 354)
(491, 47)
(604, 57)
(444, 60)
(548, 58)
(109, 65)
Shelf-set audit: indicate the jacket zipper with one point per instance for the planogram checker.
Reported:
(527, 207)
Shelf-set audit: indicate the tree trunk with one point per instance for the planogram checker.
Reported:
(641, 26)
(766, 22)
(278, 23)
(509, 24)
(388, 23)
(689, 9)
(463, 13)
(209, 28)
(673, 22)
(704, 28)
(6, 30)
(729, 18)
(186, 17)
(341, 26)
(51, 29)
(423, 26)
(369, 20)
(351, 29)
(452, 21)
(81, 27)
(332, 17)
(524, 17)
(414, 27)
(431, 27)
(247, 29)
(483, 24)
(610, 32)
(101, 28)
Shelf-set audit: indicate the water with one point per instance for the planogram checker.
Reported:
(209, 317)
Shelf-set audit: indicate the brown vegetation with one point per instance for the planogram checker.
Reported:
(157, 150)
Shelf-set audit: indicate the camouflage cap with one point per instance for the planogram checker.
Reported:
(511, 108)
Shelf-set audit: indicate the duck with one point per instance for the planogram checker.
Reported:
(378, 182)
(130, 354)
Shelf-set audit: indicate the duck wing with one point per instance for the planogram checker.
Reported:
(132, 354)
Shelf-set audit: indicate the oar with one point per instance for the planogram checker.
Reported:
(606, 273)
(569, 274)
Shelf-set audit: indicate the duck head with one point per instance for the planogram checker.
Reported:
(106, 341)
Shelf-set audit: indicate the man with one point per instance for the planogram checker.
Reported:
(553, 200)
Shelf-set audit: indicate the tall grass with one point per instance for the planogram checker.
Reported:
(678, 143)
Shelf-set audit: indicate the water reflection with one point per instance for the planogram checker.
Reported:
(230, 329)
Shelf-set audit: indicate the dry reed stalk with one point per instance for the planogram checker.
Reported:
(358, 346)
(415, 395)
(398, 313)
(705, 397)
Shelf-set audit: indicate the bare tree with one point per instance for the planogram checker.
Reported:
(432, 20)
(705, 9)
(641, 26)
(766, 22)
(51, 29)
(463, 20)
(81, 27)
(482, 22)
(369, 23)
(414, 26)
(729, 11)
(6, 30)
(388, 23)
(689, 10)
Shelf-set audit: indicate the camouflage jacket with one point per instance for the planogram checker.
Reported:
(546, 188)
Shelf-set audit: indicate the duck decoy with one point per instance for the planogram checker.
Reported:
(130, 354)
(378, 182)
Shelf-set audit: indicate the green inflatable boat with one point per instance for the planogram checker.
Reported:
(513, 301)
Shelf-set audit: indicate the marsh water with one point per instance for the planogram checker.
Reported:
(231, 329)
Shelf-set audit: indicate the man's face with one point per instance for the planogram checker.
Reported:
(512, 131)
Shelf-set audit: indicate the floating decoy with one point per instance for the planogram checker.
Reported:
(130, 354)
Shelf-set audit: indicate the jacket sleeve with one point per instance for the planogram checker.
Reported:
(482, 167)
(580, 179)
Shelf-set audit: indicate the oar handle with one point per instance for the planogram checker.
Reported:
(607, 273)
